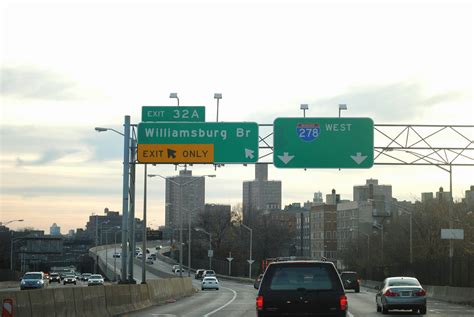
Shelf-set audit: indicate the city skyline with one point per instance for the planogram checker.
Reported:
(154, 225)
(61, 78)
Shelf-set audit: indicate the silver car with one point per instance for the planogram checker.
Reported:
(69, 279)
(95, 279)
(209, 283)
(33, 280)
(401, 293)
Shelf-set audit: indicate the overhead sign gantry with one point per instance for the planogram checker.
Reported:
(170, 140)
(323, 142)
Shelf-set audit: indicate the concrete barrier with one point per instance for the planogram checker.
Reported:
(140, 296)
(64, 301)
(118, 299)
(21, 302)
(78, 301)
(42, 302)
(94, 301)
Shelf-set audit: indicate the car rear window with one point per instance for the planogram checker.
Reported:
(32, 276)
(403, 282)
(307, 277)
(349, 276)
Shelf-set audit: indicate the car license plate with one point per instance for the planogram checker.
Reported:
(405, 294)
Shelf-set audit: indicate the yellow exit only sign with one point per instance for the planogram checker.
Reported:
(176, 153)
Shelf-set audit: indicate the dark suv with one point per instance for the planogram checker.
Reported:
(301, 288)
(350, 280)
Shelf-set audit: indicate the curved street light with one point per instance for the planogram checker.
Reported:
(10, 221)
(210, 245)
(125, 193)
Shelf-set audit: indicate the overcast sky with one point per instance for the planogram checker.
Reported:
(67, 67)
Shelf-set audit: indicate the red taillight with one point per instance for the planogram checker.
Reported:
(259, 302)
(343, 302)
(390, 293)
(421, 293)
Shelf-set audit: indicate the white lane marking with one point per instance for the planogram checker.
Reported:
(223, 306)
(349, 314)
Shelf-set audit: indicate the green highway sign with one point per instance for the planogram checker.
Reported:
(323, 142)
(199, 142)
(165, 113)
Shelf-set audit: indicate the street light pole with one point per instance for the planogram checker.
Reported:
(132, 223)
(250, 250)
(217, 96)
(174, 95)
(410, 213)
(125, 190)
(342, 107)
(11, 240)
(304, 107)
(210, 245)
(115, 257)
(144, 226)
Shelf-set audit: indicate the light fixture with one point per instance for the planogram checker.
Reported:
(174, 95)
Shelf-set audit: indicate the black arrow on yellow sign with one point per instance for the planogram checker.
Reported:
(171, 153)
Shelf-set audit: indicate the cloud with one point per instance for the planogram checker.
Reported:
(48, 156)
(31, 82)
(402, 101)
(43, 145)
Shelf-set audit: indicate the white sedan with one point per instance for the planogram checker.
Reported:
(95, 279)
(209, 282)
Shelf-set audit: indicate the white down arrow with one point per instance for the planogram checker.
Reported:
(285, 158)
(358, 158)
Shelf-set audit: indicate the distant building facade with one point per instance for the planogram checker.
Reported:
(441, 195)
(101, 228)
(426, 197)
(379, 195)
(324, 231)
(469, 197)
(260, 194)
(55, 230)
(353, 218)
(185, 195)
(302, 228)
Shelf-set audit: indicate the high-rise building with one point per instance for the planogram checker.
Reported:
(442, 195)
(318, 198)
(333, 198)
(184, 196)
(302, 229)
(426, 197)
(55, 230)
(469, 197)
(260, 194)
(379, 195)
(354, 219)
(323, 231)
(102, 228)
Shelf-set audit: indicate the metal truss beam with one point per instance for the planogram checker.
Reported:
(406, 144)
